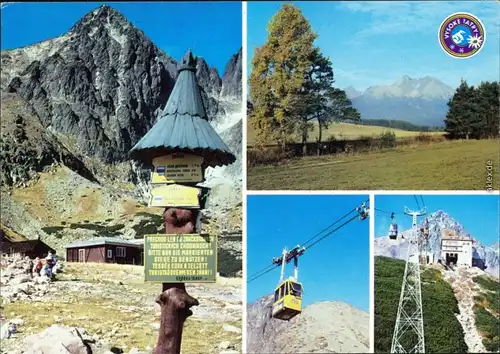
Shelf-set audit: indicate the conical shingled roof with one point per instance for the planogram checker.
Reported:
(184, 126)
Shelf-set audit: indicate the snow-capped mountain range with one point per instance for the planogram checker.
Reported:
(437, 221)
(421, 101)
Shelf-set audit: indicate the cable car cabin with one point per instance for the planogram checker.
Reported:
(287, 300)
(393, 231)
(363, 212)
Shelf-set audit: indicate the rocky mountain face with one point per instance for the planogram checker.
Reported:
(421, 101)
(73, 106)
(437, 221)
(324, 327)
(231, 80)
(104, 83)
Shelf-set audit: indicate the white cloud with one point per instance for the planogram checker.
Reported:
(404, 17)
(389, 17)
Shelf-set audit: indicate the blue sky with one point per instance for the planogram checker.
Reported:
(375, 43)
(212, 30)
(337, 268)
(477, 214)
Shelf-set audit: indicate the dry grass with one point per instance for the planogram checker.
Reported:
(99, 317)
(100, 313)
(86, 203)
(343, 131)
(449, 165)
(128, 274)
(83, 201)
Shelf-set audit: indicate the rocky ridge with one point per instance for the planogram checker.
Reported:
(104, 83)
(324, 327)
(421, 101)
(437, 221)
(465, 289)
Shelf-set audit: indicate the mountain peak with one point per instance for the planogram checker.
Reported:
(438, 221)
(351, 92)
(102, 16)
(403, 79)
(426, 88)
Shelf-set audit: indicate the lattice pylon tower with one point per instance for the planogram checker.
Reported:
(408, 334)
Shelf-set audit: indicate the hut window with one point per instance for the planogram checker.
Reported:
(120, 251)
(160, 170)
(110, 253)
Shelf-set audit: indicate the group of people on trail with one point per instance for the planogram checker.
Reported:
(47, 269)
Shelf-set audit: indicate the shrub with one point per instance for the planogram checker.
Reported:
(489, 326)
(423, 138)
(267, 156)
(52, 229)
(387, 139)
(444, 334)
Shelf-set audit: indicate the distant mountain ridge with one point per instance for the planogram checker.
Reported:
(421, 101)
(437, 221)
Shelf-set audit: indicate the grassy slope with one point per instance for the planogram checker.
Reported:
(443, 332)
(342, 130)
(487, 312)
(450, 165)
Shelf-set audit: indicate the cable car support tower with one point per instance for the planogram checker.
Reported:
(408, 334)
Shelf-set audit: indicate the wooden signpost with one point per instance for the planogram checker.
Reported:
(180, 153)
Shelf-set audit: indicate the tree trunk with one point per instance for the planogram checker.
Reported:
(304, 141)
(175, 302)
(320, 136)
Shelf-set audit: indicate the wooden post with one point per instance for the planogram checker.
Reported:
(174, 301)
(175, 308)
(162, 146)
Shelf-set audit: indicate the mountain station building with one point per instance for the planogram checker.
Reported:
(456, 249)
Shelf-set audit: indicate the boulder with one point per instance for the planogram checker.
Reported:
(56, 340)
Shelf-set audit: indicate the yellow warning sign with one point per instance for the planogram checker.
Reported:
(178, 167)
(175, 195)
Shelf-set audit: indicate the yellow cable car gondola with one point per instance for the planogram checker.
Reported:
(287, 300)
(288, 294)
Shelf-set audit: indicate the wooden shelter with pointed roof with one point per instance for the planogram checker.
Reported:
(183, 125)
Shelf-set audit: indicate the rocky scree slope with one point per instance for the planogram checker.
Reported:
(437, 221)
(324, 327)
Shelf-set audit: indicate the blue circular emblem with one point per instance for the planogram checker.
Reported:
(462, 35)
